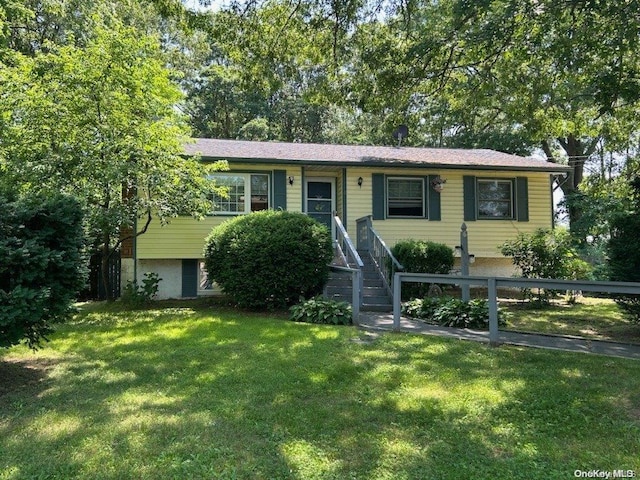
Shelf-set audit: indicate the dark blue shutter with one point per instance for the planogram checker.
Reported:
(279, 189)
(189, 278)
(377, 196)
(522, 199)
(433, 199)
(469, 197)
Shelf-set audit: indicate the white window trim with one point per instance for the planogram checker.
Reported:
(424, 206)
(512, 202)
(247, 190)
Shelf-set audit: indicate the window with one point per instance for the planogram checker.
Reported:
(405, 197)
(240, 188)
(495, 199)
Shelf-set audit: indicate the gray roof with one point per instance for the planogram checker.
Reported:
(362, 155)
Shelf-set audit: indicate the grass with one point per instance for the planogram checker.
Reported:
(189, 391)
(594, 318)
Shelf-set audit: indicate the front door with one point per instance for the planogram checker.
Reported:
(320, 200)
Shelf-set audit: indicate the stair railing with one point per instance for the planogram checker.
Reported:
(345, 247)
(369, 240)
(349, 255)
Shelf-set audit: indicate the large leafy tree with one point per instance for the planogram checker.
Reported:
(560, 76)
(100, 122)
(265, 77)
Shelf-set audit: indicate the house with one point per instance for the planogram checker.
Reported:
(423, 193)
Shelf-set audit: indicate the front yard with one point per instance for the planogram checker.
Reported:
(186, 390)
(591, 317)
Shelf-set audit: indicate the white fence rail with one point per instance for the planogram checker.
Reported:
(493, 283)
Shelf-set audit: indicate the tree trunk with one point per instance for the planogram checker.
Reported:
(577, 153)
(104, 264)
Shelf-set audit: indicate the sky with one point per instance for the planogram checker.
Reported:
(195, 5)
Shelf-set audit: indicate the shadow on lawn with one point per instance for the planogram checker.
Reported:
(21, 377)
(190, 394)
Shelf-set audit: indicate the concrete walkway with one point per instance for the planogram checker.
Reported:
(384, 321)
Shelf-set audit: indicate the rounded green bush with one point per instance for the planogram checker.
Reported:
(269, 259)
(422, 256)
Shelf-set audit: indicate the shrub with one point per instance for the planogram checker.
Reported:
(423, 308)
(452, 312)
(322, 310)
(41, 271)
(624, 259)
(420, 256)
(269, 259)
(546, 254)
(138, 295)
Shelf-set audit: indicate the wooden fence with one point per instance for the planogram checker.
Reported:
(493, 283)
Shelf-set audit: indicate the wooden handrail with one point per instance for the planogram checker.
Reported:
(346, 244)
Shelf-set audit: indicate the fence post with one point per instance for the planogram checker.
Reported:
(396, 301)
(492, 293)
(356, 292)
(464, 261)
(369, 225)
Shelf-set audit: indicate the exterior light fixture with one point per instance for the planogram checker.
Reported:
(360, 182)
(438, 183)
(291, 180)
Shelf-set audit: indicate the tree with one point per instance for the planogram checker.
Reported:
(100, 123)
(545, 254)
(562, 76)
(41, 242)
(268, 63)
(623, 253)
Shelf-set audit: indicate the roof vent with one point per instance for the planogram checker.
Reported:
(401, 133)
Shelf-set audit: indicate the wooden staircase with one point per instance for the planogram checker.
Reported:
(375, 296)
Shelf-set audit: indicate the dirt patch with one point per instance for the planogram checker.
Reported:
(22, 374)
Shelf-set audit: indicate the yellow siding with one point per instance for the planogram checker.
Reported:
(294, 192)
(184, 237)
(484, 235)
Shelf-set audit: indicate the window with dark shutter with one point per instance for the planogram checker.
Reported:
(405, 197)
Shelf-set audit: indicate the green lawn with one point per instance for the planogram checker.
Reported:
(595, 318)
(188, 391)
